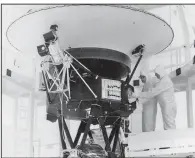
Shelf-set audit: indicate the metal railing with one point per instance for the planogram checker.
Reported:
(178, 57)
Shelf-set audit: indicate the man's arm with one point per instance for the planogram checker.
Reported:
(162, 86)
(154, 81)
(142, 100)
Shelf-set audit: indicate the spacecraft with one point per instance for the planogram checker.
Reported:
(81, 87)
(86, 67)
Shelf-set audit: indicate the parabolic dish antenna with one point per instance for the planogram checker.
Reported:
(112, 27)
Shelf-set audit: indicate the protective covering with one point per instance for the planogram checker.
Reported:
(149, 105)
(93, 151)
(164, 91)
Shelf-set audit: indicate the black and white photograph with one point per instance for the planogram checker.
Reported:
(99, 80)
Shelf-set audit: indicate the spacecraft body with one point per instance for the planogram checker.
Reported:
(109, 66)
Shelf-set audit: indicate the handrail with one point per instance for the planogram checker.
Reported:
(177, 54)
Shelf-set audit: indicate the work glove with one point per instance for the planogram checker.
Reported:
(135, 95)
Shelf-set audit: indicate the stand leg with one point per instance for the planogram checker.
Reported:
(87, 128)
(82, 125)
(115, 139)
(68, 134)
(108, 148)
(112, 134)
(61, 135)
(117, 126)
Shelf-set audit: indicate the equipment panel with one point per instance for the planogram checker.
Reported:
(111, 89)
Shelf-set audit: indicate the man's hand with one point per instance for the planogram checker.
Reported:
(135, 95)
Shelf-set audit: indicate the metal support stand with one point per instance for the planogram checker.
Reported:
(95, 114)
